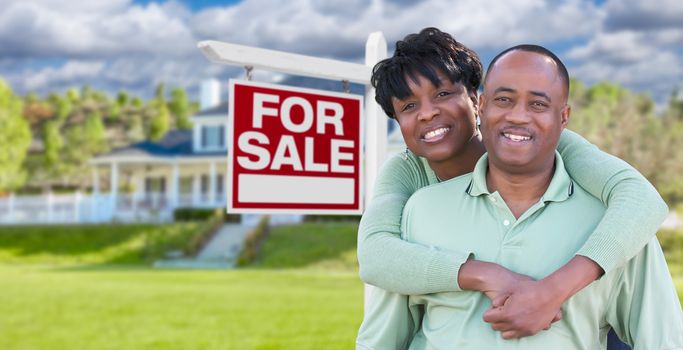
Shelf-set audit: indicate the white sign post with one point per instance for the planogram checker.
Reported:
(285, 62)
(375, 120)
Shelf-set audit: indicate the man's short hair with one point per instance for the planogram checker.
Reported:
(424, 54)
(561, 69)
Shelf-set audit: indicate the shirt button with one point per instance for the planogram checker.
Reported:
(506, 222)
(493, 199)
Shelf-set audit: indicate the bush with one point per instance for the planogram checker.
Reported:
(200, 214)
(253, 242)
(203, 236)
(332, 218)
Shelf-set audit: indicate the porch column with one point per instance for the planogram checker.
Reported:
(96, 181)
(212, 183)
(196, 188)
(114, 184)
(175, 178)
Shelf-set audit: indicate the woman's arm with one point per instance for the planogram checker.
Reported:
(385, 259)
(634, 212)
(634, 208)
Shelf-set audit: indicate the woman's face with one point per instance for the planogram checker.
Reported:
(436, 122)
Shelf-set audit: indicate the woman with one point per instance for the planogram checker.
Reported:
(635, 209)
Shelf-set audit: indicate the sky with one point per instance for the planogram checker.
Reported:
(132, 45)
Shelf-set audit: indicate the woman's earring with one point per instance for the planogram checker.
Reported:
(478, 121)
(405, 154)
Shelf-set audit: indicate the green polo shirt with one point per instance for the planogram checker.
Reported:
(637, 300)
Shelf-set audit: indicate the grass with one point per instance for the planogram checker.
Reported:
(51, 303)
(93, 244)
(302, 292)
(322, 246)
(672, 245)
(146, 309)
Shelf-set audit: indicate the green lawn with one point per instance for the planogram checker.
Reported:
(60, 290)
(150, 309)
(70, 291)
(92, 244)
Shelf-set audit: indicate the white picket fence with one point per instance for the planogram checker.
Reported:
(91, 208)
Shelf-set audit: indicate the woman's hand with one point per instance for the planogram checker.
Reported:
(525, 309)
(520, 306)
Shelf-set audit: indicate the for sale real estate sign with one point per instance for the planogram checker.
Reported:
(293, 150)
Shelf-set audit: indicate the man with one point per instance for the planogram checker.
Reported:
(520, 209)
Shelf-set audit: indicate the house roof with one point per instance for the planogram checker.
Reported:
(176, 143)
(220, 110)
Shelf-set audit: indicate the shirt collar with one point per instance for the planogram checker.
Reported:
(560, 188)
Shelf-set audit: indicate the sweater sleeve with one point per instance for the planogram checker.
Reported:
(386, 260)
(634, 208)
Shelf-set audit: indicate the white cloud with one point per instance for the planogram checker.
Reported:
(122, 45)
(70, 72)
(301, 26)
(45, 29)
(622, 47)
(643, 15)
(657, 74)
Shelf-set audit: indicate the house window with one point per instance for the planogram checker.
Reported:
(155, 185)
(213, 137)
(205, 184)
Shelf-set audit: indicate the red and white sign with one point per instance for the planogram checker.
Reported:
(293, 150)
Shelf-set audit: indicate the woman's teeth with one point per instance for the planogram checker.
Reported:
(434, 133)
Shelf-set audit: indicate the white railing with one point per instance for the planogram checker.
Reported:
(91, 208)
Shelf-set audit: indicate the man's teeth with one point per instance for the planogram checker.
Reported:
(517, 138)
(435, 133)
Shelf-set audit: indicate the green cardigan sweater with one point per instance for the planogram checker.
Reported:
(634, 212)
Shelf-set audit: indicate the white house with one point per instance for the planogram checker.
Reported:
(146, 181)
(186, 168)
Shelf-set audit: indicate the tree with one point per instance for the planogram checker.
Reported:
(73, 95)
(95, 134)
(180, 107)
(53, 143)
(15, 137)
(159, 124)
(62, 107)
(137, 102)
(122, 98)
(160, 93)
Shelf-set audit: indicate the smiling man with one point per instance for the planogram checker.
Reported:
(519, 208)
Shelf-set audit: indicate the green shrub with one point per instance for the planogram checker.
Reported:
(253, 242)
(203, 235)
(199, 214)
(332, 218)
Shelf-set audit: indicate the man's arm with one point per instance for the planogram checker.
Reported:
(385, 259)
(644, 309)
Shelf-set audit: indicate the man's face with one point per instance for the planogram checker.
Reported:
(523, 111)
(436, 122)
